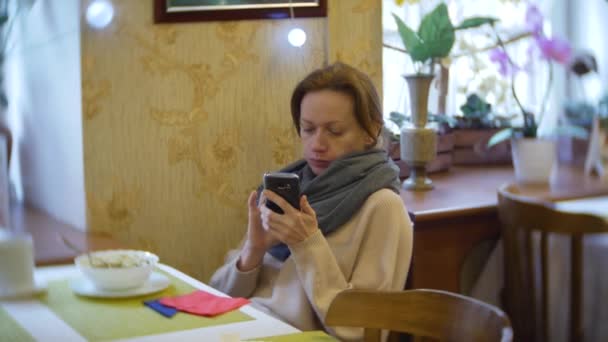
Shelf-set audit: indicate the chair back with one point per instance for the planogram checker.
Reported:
(527, 224)
(436, 314)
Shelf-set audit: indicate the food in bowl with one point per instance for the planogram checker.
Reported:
(117, 269)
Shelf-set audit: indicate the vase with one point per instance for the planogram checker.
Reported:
(418, 86)
(441, 163)
(533, 159)
(418, 142)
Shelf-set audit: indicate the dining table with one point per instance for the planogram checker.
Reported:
(58, 313)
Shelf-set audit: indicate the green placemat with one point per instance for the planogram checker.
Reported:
(10, 330)
(306, 336)
(106, 319)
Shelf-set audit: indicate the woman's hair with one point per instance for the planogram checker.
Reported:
(348, 80)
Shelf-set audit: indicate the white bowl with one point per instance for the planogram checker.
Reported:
(117, 269)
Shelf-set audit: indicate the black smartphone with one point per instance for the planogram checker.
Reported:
(284, 184)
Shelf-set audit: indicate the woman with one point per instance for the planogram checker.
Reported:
(352, 230)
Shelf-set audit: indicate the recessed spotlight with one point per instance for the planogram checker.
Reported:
(100, 13)
(297, 37)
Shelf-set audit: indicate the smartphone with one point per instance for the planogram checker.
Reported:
(284, 184)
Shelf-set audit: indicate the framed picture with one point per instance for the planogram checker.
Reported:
(213, 10)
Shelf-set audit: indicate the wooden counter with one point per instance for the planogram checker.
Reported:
(461, 213)
(46, 232)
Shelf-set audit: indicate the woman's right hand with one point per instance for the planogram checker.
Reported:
(258, 240)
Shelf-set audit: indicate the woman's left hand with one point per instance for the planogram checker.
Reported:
(294, 225)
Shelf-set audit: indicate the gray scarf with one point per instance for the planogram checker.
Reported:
(338, 192)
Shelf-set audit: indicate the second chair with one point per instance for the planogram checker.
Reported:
(436, 314)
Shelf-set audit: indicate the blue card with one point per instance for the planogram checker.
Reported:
(161, 309)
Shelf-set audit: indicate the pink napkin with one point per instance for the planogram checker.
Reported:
(204, 303)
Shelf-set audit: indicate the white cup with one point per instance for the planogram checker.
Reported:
(16, 264)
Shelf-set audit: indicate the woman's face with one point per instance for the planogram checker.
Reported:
(329, 129)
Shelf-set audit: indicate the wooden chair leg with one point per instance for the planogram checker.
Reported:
(576, 286)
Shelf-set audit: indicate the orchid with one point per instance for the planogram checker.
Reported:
(551, 50)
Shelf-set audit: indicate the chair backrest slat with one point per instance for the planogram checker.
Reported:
(529, 290)
(576, 282)
(436, 314)
(527, 299)
(544, 259)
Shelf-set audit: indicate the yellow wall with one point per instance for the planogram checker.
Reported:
(181, 120)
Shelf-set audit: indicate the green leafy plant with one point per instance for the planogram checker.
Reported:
(477, 114)
(435, 36)
(444, 123)
(475, 107)
(580, 113)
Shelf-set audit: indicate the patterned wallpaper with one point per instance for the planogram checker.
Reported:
(181, 120)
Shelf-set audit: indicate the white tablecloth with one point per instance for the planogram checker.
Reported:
(44, 325)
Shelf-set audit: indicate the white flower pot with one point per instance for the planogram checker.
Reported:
(533, 159)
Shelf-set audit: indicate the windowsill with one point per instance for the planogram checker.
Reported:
(470, 190)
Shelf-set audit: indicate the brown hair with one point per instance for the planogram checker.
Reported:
(348, 80)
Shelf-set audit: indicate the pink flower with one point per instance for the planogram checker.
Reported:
(556, 49)
(500, 57)
(534, 20)
(549, 49)
(531, 54)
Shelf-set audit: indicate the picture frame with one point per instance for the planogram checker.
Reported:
(171, 11)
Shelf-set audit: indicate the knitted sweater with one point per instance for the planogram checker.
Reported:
(370, 251)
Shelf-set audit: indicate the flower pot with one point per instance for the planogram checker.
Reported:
(471, 148)
(533, 159)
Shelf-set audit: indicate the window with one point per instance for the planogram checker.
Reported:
(472, 72)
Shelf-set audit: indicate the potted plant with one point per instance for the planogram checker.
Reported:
(432, 41)
(472, 130)
(533, 153)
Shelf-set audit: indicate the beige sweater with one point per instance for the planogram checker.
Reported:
(371, 251)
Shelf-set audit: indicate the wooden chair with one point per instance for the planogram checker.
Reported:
(436, 314)
(526, 226)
